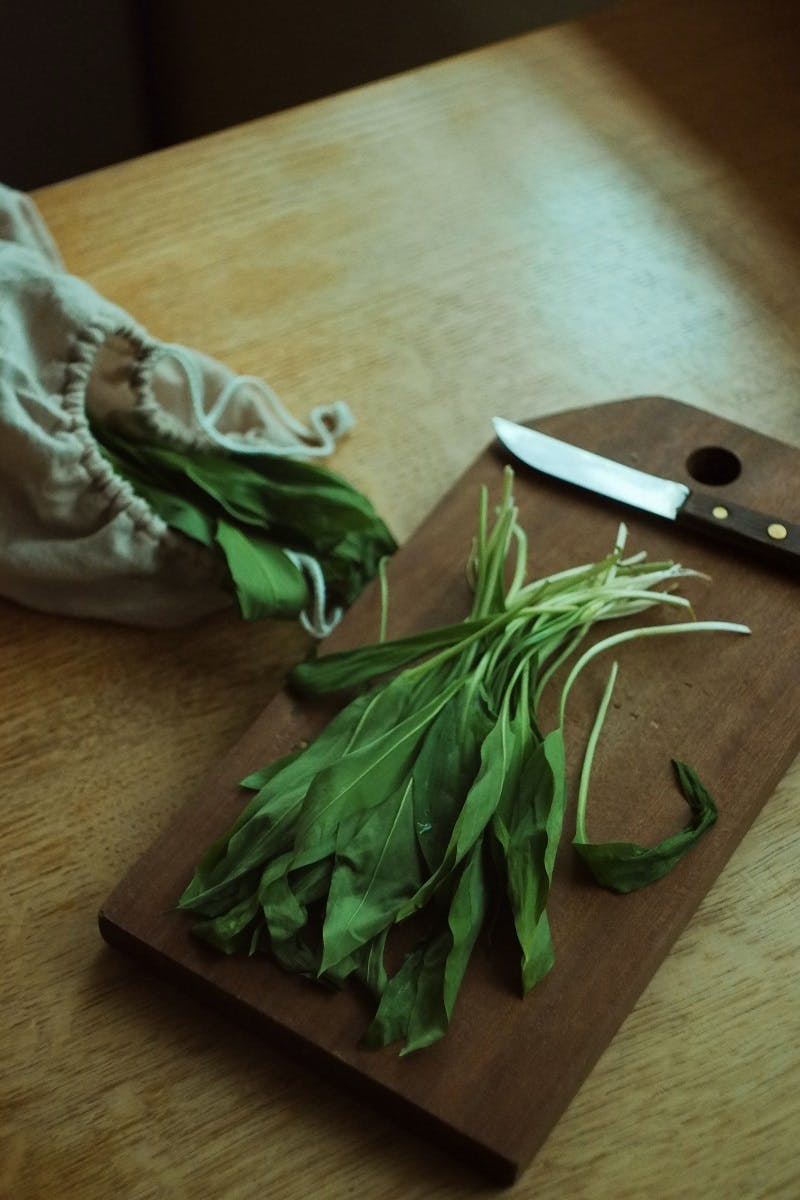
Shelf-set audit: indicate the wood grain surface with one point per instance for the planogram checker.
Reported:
(602, 209)
(727, 706)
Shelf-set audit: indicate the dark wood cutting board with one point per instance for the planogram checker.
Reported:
(729, 705)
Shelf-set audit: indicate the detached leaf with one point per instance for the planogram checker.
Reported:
(626, 866)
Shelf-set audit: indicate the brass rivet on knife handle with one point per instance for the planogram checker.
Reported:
(768, 534)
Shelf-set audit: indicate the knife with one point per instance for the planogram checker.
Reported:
(772, 537)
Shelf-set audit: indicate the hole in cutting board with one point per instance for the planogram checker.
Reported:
(713, 465)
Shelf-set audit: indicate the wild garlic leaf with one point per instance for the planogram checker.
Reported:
(267, 825)
(376, 869)
(259, 778)
(299, 478)
(359, 781)
(217, 851)
(257, 489)
(529, 840)
(373, 974)
(321, 506)
(496, 761)
(445, 960)
(555, 753)
(285, 898)
(417, 1002)
(445, 768)
(267, 583)
(392, 1016)
(175, 510)
(365, 963)
(627, 866)
(272, 502)
(386, 707)
(230, 931)
(349, 668)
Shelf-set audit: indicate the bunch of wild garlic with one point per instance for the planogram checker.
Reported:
(437, 789)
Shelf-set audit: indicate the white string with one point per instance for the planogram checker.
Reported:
(280, 433)
(316, 622)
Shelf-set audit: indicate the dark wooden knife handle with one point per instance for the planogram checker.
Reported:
(772, 538)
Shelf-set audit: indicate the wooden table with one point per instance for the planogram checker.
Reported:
(601, 209)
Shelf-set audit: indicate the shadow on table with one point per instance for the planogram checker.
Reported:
(208, 1060)
(726, 72)
(171, 72)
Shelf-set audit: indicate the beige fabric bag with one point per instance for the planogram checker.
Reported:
(74, 538)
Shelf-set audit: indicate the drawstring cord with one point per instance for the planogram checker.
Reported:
(281, 434)
(316, 622)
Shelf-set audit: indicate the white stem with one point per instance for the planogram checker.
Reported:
(628, 635)
(586, 769)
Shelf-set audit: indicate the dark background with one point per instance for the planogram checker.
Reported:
(85, 83)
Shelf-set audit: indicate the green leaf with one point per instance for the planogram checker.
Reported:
(267, 584)
(177, 511)
(360, 781)
(366, 964)
(417, 1003)
(626, 866)
(316, 502)
(390, 1023)
(373, 974)
(262, 490)
(528, 832)
(445, 768)
(498, 766)
(299, 506)
(445, 961)
(285, 899)
(259, 779)
(387, 707)
(377, 868)
(230, 932)
(266, 827)
(207, 872)
(349, 668)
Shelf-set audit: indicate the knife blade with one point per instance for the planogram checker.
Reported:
(772, 537)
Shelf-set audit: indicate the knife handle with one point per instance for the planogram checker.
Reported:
(773, 538)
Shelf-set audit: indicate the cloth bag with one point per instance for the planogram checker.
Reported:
(74, 537)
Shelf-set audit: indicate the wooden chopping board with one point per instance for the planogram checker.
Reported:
(729, 705)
